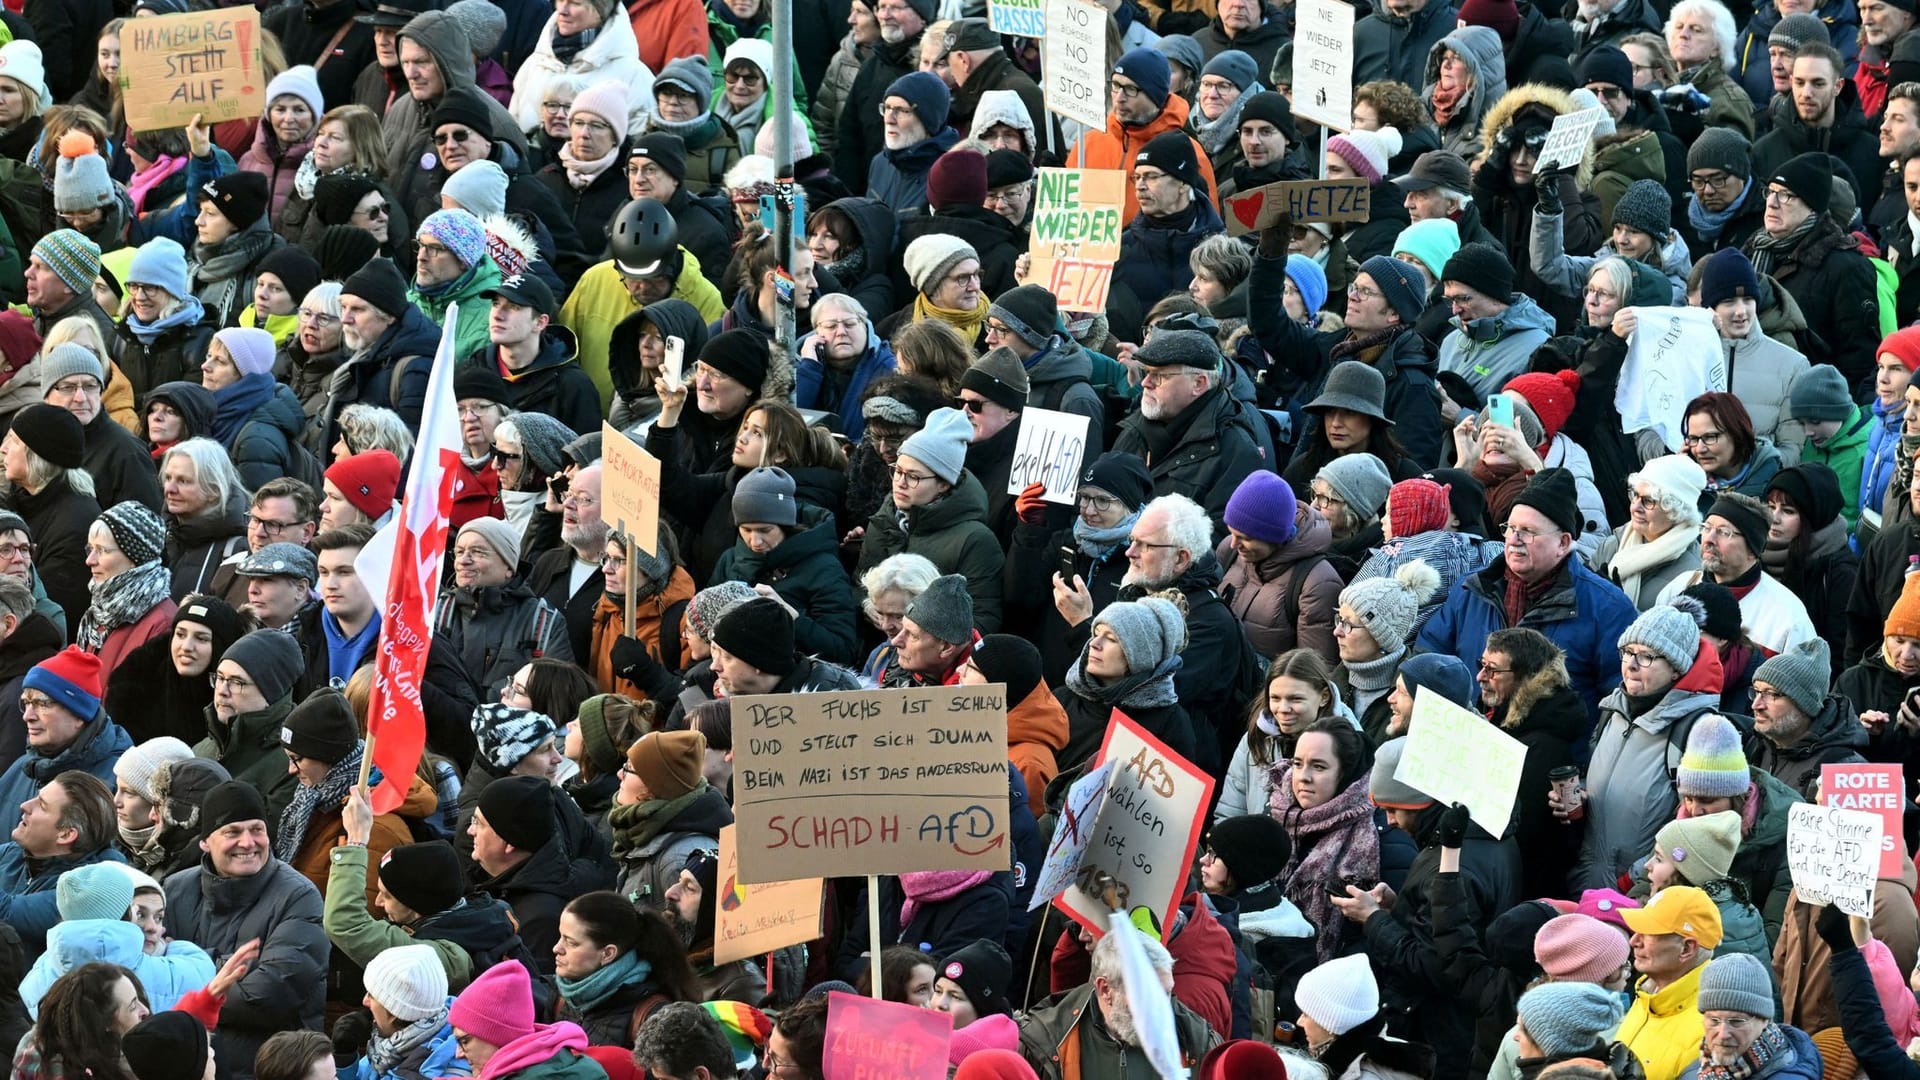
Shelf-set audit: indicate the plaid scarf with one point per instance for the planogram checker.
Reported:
(1771, 1044)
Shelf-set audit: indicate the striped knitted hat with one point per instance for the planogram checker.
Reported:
(1714, 765)
(73, 258)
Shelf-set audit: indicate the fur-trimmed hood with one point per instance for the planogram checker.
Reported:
(1534, 689)
(1502, 112)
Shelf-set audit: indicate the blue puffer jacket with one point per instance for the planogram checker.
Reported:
(27, 892)
(436, 1058)
(1883, 449)
(99, 745)
(1153, 260)
(263, 449)
(810, 384)
(1583, 613)
(166, 979)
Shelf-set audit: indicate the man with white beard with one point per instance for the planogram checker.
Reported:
(1108, 1039)
(390, 344)
(1743, 1039)
(569, 576)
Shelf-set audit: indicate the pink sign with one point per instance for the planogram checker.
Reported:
(869, 1039)
(1877, 789)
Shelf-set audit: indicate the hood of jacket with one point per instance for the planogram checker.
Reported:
(1541, 689)
(815, 537)
(1202, 947)
(413, 335)
(1706, 676)
(1522, 316)
(1482, 50)
(1063, 360)
(84, 941)
(1038, 718)
(966, 502)
(441, 35)
(673, 317)
(547, 1048)
(1500, 114)
(1628, 16)
(192, 401)
(874, 222)
(558, 348)
(284, 411)
(1171, 118)
(999, 106)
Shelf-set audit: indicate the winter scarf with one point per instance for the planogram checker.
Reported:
(625, 970)
(636, 824)
(331, 792)
(933, 886)
(1140, 689)
(1357, 342)
(235, 403)
(386, 1052)
(969, 322)
(188, 312)
(1767, 251)
(147, 179)
(1636, 556)
(1708, 223)
(683, 128)
(1903, 465)
(744, 121)
(1099, 543)
(137, 839)
(582, 174)
(1447, 92)
(1771, 1045)
(851, 268)
(1372, 679)
(1777, 558)
(1215, 134)
(1521, 596)
(122, 600)
(567, 46)
(1334, 841)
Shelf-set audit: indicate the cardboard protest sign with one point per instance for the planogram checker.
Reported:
(1072, 832)
(1049, 451)
(205, 62)
(871, 782)
(1077, 216)
(1568, 138)
(1876, 789)
(1834, 856)
(1455, 755)
(629, 488)
(1074, 60)
(753, 920)
(1323, 63)
(1304, 201)
(1021, 18)
(868, 1039)
(1673, 356)
(1146, 828)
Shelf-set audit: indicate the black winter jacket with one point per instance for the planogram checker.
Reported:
(174, 355)
(408, 345)
(58, 518)
(1203, 453)
(150, 699)
(553, 384)
(121, 467)
(1836, 737)
(264, 448)
(939, 927)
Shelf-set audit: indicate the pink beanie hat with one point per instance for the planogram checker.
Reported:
(1606, 905)
(607, 100)
(996, 1032)
(497, 1007)
(1579, 948)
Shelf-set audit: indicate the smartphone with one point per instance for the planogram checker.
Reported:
(1500, 410)
(1066, 563)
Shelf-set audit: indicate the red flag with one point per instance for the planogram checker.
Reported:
(396, 722)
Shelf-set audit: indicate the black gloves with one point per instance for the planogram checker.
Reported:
(1834, 930)
(1453, 826)
(631, 659)
(351, 1033)
(1546, 187)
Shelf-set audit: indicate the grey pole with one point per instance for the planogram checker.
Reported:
(783, 185)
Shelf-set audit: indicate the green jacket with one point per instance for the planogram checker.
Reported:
(1044, 1039)
(361, 936)
(952, 533)
(471, 334)
(1845, 453)
(1621, 161)
(563, 1065)
(249, 749)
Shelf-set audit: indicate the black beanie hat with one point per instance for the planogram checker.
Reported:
(1123, 476)
(343, 249)
(1273, 107)
(1606, 64)
(760, 633)
(53, 433)
(213, 613)
(426, 877)
(984, 970)
(1003, 658)
(1810, 178)
(235, 800)
(296, 269)
(379, 283)
(169, 1045)
(1552, 492)
(322, 727)
(336, 194)
(664, 149)
(1172, 153)
(461, 109)
(1480, 267)
(1720, 609)
(704, 864)
(1813, 489)
(482, 381)
(241, 197)
(520, 810)
(1005, 167)
(740, 354)
(1752, 524)
(1254, 847)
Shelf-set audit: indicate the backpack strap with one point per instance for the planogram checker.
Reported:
(1302, 570)
(393, 385)
(670, 633)
(640, 1014)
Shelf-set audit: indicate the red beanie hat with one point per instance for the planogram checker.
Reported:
(958, 178)
(1904, 344)
(497, 1007)
(367, 480)
(1418, 505)
(1500, 16)
(1242, 1059)
(71, 677)
(1550, 395)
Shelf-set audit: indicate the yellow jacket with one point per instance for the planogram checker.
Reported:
(1664, 1030)
(600, 301)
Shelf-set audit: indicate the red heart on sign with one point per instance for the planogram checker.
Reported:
(1246, 208)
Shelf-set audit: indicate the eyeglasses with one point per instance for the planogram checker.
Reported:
(1609, 93)
(1360, 292)
(430, 251)
(910, 479)
(579, 499)
(1721, 534)
(478, 553)
(611, 561)
(321, 318)
(775, 1065)
(76, 387)
(1705, 438)
(10, 552)
(1704, 181)
(1125, 92)
(296, 759)
(231, 682)
(1643, 502)
(268, 525)
(138, 288)
(1322, 500)
(35, 704)
(964, 278)
(895, 112)
(995, 329)
(1488, 669)
(1099, 504)
(556, 108)
(1525, 535)
(884, 438)
(597, 127)
(456, 135)
(1639, 658)
(1153, 380)
(1343, 625)
(1780, 197)
(512, 690)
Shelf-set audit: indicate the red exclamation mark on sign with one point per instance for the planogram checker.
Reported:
(243, 32)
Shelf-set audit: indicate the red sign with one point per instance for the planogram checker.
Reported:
(1877, 789)
(868, 1039)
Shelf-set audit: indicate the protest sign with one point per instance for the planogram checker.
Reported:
(629, 488)
(1148, 1001)
(868, 1039)
(1074, 61)
(1049, 450)
(1568, 138)
(1833, 855)
(1076, 234)
(871, 782)
(1071, 834)
(1302, 201)
(1876, 789)
(1146, 828)
(753, 920)
(1455, 755)
(1323, 63)
(1021, 18)
(206, 62)
(1673, 356)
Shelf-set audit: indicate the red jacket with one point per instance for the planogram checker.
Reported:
(668, 30)
(1119, 145)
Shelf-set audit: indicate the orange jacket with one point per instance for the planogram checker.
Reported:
(1119, 145)
(325, 832)
(668, 30)
(609, 623)
(1036, 728)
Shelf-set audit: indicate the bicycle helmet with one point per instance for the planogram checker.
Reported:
(644, 235)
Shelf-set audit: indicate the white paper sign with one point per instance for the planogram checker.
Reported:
(1834, 855)
(1049, 451)
(1455, 755)
(1071, 834)
(1673, 357)
(1074, 59)
(1021, 18)
(1568, 138)
(1323, 63)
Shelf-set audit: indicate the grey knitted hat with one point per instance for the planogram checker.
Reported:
(1797, 30)
(1000, 377)
(1361, 480)
(1386, 791)
(1564, 1018)
(1802, 673)
(765, 496)
(689, 73)
(544, 440)
(942, 444)
(1150, 630)
(1668, 631)
(1726, 149)
(945, 609)
(1820, 393)
(1647, 207)
(68, 359)
(1387, 606)
(484, 22)
(1736, 982)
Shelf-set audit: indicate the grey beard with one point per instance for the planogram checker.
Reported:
(681, 927)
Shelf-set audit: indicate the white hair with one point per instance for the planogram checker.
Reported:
(1717, 15)
(844, 302)
(213, 472)
(1106, 958)
(1684, 512)
(910, 574)
(1188, 526)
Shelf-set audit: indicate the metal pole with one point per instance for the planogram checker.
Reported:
(783, 185)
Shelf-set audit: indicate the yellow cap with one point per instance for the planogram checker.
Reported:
(1679, 909)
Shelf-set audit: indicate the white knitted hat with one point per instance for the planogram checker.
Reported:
(408, 982)
(928, 259)
(140, 764)
(1340, 994)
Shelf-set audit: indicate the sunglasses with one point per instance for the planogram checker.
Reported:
(457, 135)
(974, 407)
